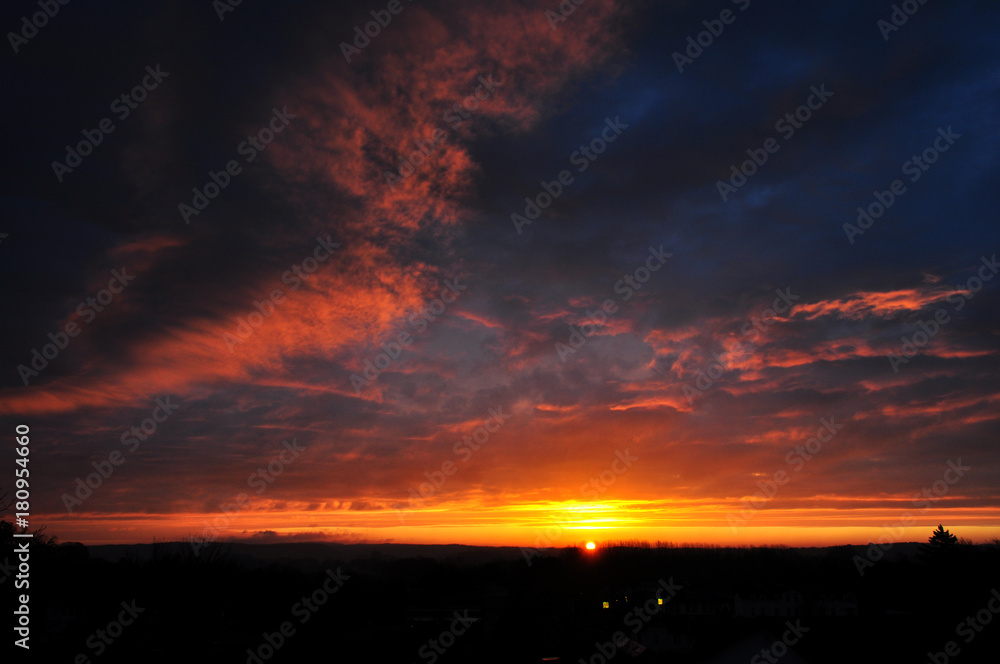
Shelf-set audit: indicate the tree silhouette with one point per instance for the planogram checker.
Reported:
(7, 528)
(939, 545)
(942, 538)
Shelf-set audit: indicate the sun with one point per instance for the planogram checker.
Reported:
(591, 546)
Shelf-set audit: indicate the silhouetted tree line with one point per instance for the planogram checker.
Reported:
(214, 606)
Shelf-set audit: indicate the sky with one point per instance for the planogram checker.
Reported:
(507, 273)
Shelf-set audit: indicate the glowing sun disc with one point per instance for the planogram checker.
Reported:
(591, 546)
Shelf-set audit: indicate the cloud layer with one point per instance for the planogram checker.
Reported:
(360, 287)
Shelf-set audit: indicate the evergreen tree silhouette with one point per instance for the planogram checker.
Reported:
(939, 545)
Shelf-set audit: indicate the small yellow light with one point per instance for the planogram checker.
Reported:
(607, 605)
(591, 546)
(659, 600)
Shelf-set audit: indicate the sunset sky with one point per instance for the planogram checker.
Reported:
(371, 334)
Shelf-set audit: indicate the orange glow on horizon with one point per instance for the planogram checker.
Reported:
(538, 525)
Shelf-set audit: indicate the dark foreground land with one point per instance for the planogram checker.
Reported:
(385, 603)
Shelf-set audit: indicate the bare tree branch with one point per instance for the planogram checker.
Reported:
(5, 503)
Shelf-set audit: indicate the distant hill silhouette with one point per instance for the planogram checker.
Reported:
(224, 604)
